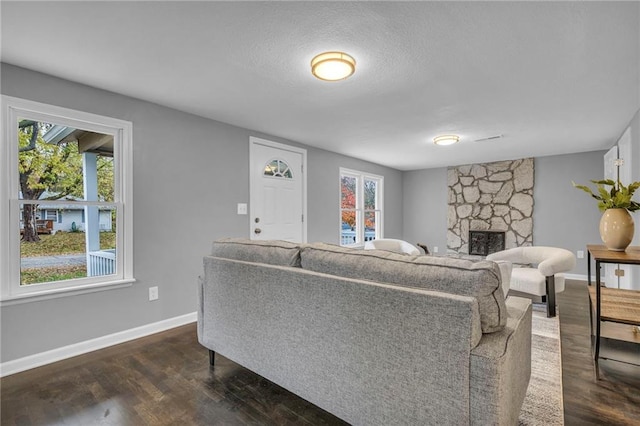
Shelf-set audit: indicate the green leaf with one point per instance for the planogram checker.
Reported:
(604, 194)
(585, 189)
(608, 182)
(618, 196)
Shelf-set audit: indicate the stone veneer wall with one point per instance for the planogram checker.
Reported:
(493, 196)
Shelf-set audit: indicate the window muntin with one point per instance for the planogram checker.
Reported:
(91, 184)
(278, 169)
(360, 207)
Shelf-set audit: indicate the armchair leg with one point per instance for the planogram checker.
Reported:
(212, 358)
(551, 296)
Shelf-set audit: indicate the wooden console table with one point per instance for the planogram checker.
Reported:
(612, 304)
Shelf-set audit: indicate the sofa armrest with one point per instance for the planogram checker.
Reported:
(506, 268)
(501, 368)
(561, 260)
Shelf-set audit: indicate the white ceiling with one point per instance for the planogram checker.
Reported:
(552, 77)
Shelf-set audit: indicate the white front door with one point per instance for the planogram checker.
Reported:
(277, 202)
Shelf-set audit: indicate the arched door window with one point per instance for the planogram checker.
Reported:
(278, 168)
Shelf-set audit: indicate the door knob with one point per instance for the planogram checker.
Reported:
(257, 230)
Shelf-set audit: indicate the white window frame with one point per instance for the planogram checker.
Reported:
(360, 211)
(11, 291)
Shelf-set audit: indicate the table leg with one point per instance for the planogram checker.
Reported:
(597, 354)
(591, 322)
(588, 267)
(590, 301)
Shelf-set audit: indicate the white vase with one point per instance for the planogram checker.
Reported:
(616, 229)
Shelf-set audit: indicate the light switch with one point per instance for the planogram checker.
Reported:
(242, 208)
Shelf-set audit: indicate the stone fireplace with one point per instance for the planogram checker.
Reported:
(495, 197)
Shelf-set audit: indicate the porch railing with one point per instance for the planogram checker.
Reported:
(101, 262)
(349, 237)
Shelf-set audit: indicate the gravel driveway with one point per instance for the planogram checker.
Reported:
(53, 261)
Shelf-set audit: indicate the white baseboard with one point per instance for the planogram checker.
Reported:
(578, 277)
(58, 354)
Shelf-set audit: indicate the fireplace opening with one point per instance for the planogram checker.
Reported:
(483, 243)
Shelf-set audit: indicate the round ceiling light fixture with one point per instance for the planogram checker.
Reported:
(446, 139)
(333, 66)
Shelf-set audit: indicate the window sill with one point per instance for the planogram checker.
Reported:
(66, 292)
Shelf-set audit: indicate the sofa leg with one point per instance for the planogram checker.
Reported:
(551, 296)
(212, 358)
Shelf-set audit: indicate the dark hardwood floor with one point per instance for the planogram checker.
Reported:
(165, 379)
(615, 398)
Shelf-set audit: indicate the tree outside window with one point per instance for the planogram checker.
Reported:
(52, 171)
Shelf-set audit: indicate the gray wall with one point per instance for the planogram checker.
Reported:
(424, 211)
(563, 216)
(189, 173)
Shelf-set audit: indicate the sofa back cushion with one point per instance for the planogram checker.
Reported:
(273, 252)
(449, 275)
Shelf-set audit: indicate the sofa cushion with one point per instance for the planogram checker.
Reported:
(455, 276)
(531, 281)
(274, 252)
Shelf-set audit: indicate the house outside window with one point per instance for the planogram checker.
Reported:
(54, 160)
(361, 207)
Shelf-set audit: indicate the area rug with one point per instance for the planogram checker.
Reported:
(543, 402)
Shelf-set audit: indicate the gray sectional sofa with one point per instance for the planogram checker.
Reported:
(374, 337)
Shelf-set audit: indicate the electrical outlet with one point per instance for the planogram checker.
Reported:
(435, 249)
(242, 208)
(153, 293)
(580, 254)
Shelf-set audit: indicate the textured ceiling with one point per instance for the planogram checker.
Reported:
(552, 77)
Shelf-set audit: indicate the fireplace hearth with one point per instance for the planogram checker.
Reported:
(483, 243)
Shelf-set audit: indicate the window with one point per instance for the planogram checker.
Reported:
(51, 215)
(279, 169)
(53, 160)
(360, 207)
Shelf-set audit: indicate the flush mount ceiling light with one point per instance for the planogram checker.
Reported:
(446, 139)
(333, 66)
